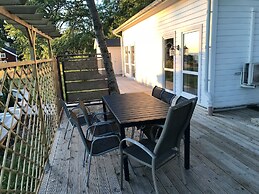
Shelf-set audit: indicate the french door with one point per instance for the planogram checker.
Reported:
(130, 66)
(191, 44)
(169, 63)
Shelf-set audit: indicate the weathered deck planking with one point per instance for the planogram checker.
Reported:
(224, 159)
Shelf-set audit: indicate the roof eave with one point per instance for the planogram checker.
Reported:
(6, 50)
(148, 11)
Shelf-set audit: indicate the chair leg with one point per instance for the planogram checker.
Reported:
(85, 158)
(88, 172)
(132, 167)
(154, 179)
(66, 129)
(121, 169)
(182, 170)
(70, 137)
(132, 132)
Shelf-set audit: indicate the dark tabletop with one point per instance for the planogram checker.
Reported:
(136, 109)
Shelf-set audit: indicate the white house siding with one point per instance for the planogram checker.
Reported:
(232, 42)
(147, 37)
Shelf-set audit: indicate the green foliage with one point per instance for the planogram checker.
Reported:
(73, 42)
(21, 43)
(73, 19)
(113, 13)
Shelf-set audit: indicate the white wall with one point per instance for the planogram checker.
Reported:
(233, 32)
(115, 58)
(147, 37)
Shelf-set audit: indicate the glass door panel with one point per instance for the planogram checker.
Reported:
(191, 49)
(169, 63)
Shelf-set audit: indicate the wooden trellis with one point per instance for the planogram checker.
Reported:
(28, 114)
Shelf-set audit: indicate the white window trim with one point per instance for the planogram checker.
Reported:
(165, 37)
(2, 55)
(194, 28)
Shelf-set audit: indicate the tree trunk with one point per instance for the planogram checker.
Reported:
(98, 28)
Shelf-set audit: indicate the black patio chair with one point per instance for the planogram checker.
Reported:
(157, 91)
(167, 97)
(94, 117)
(95, 146)
(155, 155)
(153, 132)
(81, 118)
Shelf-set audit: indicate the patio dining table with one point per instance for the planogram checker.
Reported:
(138, 109)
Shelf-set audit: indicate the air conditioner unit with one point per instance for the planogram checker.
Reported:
(251, 74)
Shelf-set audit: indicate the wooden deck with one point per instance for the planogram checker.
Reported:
(224, 159)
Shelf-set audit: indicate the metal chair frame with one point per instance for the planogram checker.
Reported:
(166, 148)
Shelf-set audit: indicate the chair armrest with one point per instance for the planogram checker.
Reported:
(95, 115)
(109, 122)
(137, 144)
(106, 137)
(102, 123)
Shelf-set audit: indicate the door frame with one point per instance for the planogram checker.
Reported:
(129, 63)
(195, 28)
(165, 37)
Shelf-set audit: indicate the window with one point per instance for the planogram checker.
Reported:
(191, 49)
(2, 55)
(169, 50)
(126, 50)
(126, 55)
(132, 55)
(132, 61)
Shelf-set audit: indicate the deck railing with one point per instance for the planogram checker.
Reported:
(28, 121)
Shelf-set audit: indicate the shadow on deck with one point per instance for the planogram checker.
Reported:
(224, 159)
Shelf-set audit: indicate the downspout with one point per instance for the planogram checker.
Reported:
(212, 59)
(122, 53)
(207, 60)
(251, 40)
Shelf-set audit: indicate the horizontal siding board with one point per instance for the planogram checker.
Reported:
(241, 32)
(240, 44)
(227, 64)
(99, 84)
(233, 26)
(233, 49)
(235, 8)
(238, 2)
(231, 38)
(224, 14)
(86, 75)
(86, 96)
(80, 65)
(238, 20)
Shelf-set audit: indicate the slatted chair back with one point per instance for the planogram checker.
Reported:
(86, 112)
(180, 99)
(75, 122)
(96, 146)
(64, 106)
(177, 120)
(167, 97)
(157, 91)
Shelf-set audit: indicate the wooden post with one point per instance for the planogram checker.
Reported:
(32, 39)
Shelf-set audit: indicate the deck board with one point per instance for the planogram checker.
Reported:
(224, 159)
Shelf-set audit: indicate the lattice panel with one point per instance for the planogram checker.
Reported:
(28, 121)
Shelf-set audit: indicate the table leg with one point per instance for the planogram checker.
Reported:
(187, 148)
(126, 166)
(104, 110)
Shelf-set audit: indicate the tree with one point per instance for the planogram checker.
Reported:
(115, 12)
(112, 82)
